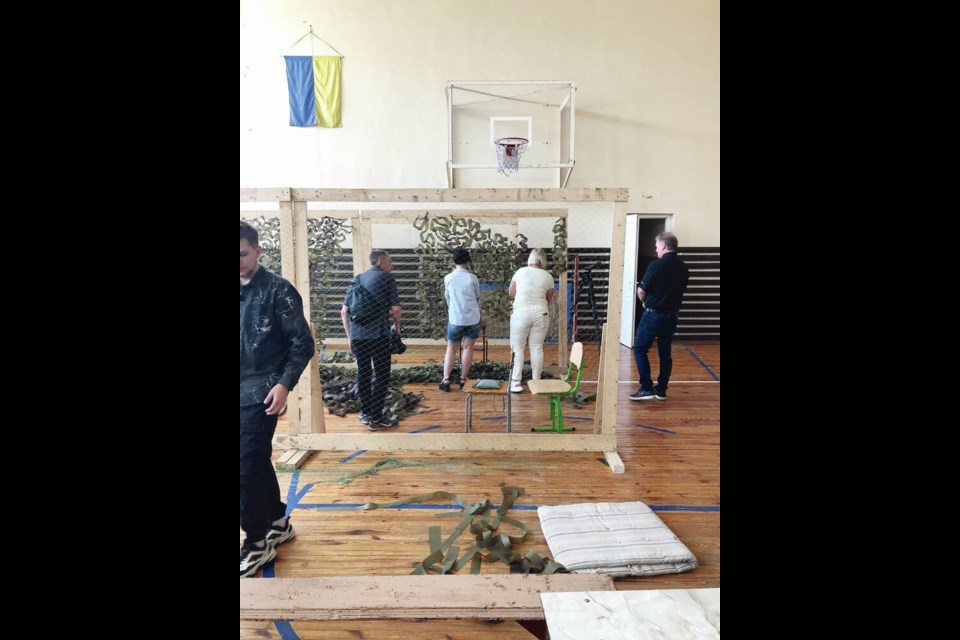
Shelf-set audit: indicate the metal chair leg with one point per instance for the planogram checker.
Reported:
(556, 418)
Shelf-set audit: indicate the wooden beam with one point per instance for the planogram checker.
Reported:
(481, 195)
(491, 216)
(485, 597)
(430, 342)
(446, 442)
(329, 195)
(341, 214)
(404, 195)
(439, 195)
(264, 195)
(249, 214)
(574, 195)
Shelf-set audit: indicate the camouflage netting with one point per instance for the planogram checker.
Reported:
(494, 260)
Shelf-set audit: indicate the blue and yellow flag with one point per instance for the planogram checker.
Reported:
(315, 89)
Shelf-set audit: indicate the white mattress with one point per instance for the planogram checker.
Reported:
(617, 538)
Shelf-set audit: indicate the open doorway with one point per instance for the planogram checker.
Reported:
(639, 252)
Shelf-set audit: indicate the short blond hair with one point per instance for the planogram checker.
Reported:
(537, 256)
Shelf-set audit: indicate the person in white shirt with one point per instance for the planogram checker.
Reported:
(532, 290)
(461, 289)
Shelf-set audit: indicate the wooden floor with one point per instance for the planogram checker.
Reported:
(671, 451)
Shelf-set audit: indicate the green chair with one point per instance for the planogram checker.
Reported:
(559, 389)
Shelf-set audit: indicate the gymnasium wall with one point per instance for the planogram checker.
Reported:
(648, 99)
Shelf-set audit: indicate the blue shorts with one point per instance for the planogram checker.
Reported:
(456, 332)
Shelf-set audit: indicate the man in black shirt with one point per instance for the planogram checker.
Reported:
(370, 342)
(661, 292)
(275, 347)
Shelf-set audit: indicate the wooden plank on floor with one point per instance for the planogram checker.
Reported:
(488, 597)
(285, 458)
(615, 461)
(387, 630)
(293, 459)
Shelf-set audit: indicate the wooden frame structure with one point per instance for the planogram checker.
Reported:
(475, 597)
(307, 431)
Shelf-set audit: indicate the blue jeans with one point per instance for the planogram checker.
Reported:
(260, 502)
(659, 326)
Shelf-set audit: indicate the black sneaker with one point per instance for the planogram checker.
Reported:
(660, 396)
(364, 419)
(382, 424)
(644, 395)
(253, 557)
(278, 534)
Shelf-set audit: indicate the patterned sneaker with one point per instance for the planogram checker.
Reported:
(278, 534)
(644, 395)
(253, 557)
(382, 425)
(364, 419)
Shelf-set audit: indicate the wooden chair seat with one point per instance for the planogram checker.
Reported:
(557, 390)
(538, 387)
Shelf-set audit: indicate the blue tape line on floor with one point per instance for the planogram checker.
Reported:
(285, 630)
(293, 495)
(673, 433)
(352, 456)
(564, 417)
(436, 426)
(702, 364)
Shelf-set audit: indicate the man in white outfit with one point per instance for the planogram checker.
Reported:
(532, 290)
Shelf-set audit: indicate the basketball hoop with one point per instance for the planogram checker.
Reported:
(509, 152)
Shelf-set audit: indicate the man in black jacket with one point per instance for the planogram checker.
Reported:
(661, 292)
(275, 347)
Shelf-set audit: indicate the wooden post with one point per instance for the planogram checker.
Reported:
(601, 381)
(308, 389)
(288, 264)
(614, 302)
(362, 244)
(562, 343)
(301, 255)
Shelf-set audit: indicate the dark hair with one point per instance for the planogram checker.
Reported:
(669, 240)
(248, 233)
(375, 256)
(461, 256)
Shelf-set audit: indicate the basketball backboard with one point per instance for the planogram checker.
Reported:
(480, 112)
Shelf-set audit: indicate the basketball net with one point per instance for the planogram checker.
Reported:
(509, 152)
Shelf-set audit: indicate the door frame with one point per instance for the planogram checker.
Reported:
(628, 309)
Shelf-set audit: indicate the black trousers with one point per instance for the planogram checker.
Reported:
(373, 391)
(260, 502)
